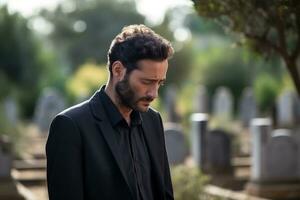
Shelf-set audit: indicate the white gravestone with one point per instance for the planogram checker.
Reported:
(48, 105)
(286, 109)
(247, 107)
(223, 103)
(201, 100)
(170, 104)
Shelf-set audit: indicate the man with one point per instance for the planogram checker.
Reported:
(112, 146)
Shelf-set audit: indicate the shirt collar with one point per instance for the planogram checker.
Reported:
(114, 114)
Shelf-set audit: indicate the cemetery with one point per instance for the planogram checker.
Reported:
(266, 165)
(268, 169)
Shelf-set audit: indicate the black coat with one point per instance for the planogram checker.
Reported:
(83, 158)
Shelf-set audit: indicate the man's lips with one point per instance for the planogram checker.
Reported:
(146, 102)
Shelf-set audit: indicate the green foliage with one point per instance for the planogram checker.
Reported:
(86, 80)
(188, 182)
(12, 132)
(229, 70)
(92, 43)
(266, 89)
(267, 27)
(253, 17)
(287, 83)
(199, 25)
(180, 65)
(6, 127)
(86, 32)
(5, 85)
(22, 63)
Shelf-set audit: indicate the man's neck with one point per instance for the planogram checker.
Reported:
(124, 110)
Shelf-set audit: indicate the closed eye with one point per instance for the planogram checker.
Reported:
(147, 82)
(150, 82)
(161, 83)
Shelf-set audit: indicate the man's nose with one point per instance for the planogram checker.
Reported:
(153, 92)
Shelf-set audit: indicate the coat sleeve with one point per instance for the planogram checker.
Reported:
(64, 160)
(167, 177)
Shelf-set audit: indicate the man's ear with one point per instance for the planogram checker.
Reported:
(118, 70)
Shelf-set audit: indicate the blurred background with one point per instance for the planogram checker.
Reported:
(235, 65)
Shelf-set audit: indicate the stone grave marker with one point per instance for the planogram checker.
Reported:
(49, 104)
(281, 157)
(198, 134)
(201, 100)
(286, 113)
(218, 151)
(223, 103)
(5, 158)
(11, 111)
(247, 107)
(261, 132)
(275, 162)
(175, 143)
(170, 104)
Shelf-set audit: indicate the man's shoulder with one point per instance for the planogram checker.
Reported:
(76, 111)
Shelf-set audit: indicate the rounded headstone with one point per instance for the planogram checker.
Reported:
(175, 144)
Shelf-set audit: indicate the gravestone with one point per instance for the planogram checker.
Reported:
(211, 150)
(198, 138)
(286, 113)
(275, 164)
(11, 110)
(49, 104)
(5, 158)
(222, 103)
(201, 100)
(281, 157)
(8, 189)
(247, 107)
(175, 143)
(218, 149)
(170, 104)
(261, 132)
(297, 110)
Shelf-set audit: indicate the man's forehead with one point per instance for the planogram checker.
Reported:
(151, 60)
(150, 65)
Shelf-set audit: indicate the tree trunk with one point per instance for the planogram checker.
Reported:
(293, 70)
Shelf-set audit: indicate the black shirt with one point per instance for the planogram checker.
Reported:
(130, 139)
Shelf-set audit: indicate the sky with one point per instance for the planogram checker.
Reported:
(153, 9)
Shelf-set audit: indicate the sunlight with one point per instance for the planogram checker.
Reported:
(154, 10)
(30, 7)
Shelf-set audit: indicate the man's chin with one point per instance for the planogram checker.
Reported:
(142, 108)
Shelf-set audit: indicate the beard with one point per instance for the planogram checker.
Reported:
(128, 96)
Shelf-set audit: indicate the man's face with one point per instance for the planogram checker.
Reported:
(138, 89)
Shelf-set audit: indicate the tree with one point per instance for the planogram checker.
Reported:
(269, 26)
(86, 32)
(22, 63)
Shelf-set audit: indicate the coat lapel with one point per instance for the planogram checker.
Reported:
(107, 131)
(154, 152)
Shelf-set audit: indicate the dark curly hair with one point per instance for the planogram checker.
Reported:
(137, 42)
